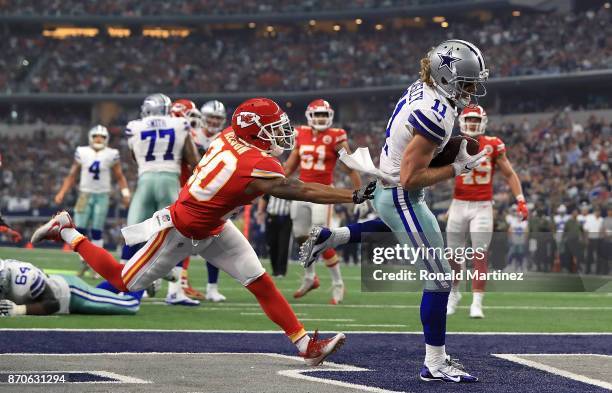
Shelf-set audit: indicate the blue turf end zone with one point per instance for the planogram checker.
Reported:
(394, 359)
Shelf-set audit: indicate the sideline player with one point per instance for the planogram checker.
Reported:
(94, 162)
(159, 144)
(240, 165)
(316, 154)
(422, 122)
(205, 127)
(471, 211)
(26, 290)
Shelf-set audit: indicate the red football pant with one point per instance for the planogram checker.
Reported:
(276, 306)
(102, 262)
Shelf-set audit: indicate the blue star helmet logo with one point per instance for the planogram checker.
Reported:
(447, 60)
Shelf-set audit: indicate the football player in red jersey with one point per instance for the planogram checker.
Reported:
(205, 127)
(316, 154)
(240, 165)
(472, 208)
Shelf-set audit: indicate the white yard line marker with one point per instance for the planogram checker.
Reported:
(118, 378)
(328, 319)
(412, 306)
(233, 331)
(518, 358)
(293, 373)
(369, 325)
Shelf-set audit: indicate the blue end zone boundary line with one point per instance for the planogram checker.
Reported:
(393, 359)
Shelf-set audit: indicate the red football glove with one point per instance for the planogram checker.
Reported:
(521, 209)
(15, 236)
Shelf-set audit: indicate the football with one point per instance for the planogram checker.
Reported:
(450, 151)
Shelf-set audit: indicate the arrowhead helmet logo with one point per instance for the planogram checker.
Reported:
(246, 119)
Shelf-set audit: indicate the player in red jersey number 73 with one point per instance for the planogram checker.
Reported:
(240, 165)
(472, 208)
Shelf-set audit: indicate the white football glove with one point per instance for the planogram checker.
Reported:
(8, 308)
(464, 162)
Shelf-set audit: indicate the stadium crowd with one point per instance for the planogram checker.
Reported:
(204, 7)
(240, 61)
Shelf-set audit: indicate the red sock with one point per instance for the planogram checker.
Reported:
(276, 306)
(480, 266)
(186, 263)
(102, 262)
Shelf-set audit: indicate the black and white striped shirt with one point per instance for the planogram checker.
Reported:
(278, 207)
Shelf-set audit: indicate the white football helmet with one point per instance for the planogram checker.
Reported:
(473, 129)
(320, 115)
(5, 279)
(214, 115)
(459, 71)
(98, 130)
(155, 105)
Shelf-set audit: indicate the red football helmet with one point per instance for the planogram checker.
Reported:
(260, 122)
(473, 127)
(319, 115)
(187, 109)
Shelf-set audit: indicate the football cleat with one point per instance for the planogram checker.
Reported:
(213, 294)
(180, 299)
(476, 311)
(317, 242)
(318, 350)
(51, 230)
(194, 293)
(337, 293)
(453, 301)
(308, 284)
(451, 371)
(155, 287)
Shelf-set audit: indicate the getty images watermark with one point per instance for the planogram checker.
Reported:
(532, 262)
(405, 254)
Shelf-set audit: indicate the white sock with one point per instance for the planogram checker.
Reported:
(477, 298)
(340, 236)
(455, 289)
(302, 343)
(435, 356)
(69, 234)
(336, 276)
(212, 287)
(99, 243)
(309, 272)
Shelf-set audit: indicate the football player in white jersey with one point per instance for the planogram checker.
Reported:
(94, 162)
(206, 125)
(421, 124)
(26, 290)
(159, 143)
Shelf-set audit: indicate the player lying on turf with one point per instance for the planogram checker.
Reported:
(238, 167)
(421, 125)
(26, 290)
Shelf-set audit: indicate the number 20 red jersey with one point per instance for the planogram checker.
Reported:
(318, 153)
(477, 185)
(217, 187)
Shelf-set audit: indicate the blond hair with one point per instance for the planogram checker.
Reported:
(425, 72)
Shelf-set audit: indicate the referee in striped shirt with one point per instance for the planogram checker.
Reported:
(275, 212)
